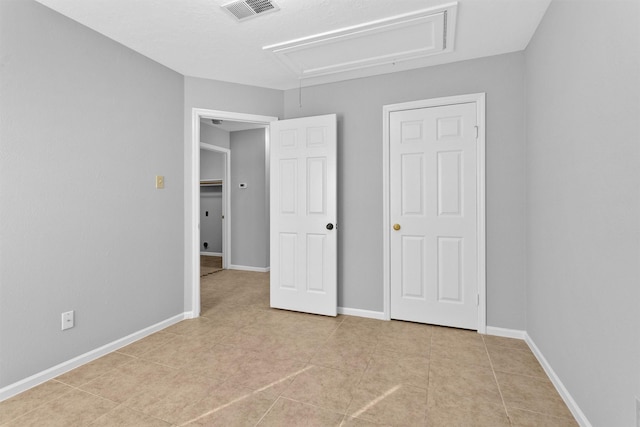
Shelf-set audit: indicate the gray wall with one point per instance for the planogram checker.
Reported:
(358, 104)
(211, 164)
(583, 171)
(83, 227)
(216, 95)
(213, 135)
(211, 224)
(249, 224)
(212, 167)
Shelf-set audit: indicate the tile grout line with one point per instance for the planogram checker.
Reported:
(364, 371)
(42, 404)
(268, 410)
(426, 415)
(519, 374)
(495, 377)
(308, 363)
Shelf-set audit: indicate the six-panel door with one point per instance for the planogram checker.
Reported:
(433, 192)
(303, 214)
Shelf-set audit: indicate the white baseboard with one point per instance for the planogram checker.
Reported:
(211, 253)
(562, 390)
(506, 333)
(48, 374)
(249, 268)
(361, 313)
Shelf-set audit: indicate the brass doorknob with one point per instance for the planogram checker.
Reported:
(396, 227)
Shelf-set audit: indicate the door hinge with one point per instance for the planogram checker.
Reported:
(477, 132)
(478, 299)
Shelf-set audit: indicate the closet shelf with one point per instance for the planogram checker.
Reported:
(210, 182)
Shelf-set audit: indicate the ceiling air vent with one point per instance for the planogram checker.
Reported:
(246, 9)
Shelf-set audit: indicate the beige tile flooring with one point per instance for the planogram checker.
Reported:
(210, 264)
(242, 363)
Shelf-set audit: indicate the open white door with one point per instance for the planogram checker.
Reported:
(303, 215)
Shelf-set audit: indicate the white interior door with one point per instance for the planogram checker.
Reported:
(303, 215)
(433, 214)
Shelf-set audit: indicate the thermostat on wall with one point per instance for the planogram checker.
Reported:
(243, 185)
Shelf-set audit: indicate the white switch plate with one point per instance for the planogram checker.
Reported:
(67, 320)
(159, 182)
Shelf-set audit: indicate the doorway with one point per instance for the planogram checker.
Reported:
(215, 196)
(434, 210)
(193, 264)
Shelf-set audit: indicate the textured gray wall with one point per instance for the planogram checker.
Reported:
(583, 170)
(249, 224)
(83, 227)
(358, 104)
(223, 96)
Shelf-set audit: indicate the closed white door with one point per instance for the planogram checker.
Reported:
(433, 215)
(303, 215)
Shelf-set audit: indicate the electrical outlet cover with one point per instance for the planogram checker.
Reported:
(67, 320)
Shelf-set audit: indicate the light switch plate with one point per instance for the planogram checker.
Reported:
(159, 181)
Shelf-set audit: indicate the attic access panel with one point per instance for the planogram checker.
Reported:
(399, 38)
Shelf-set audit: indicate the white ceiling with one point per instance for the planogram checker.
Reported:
(197, 38)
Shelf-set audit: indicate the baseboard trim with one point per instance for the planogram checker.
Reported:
(55, 371)
(361, 313)
(249, 268)
(506, 333)
(562, 390)
(211, 253)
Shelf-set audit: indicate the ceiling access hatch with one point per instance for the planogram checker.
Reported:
(400, 38)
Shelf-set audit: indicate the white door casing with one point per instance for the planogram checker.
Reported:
(435, 260)
(303, 213)
(192, 214)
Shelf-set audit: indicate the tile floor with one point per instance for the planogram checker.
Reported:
(242, 363)
(210, 264)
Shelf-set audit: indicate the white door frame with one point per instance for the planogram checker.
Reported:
(479, 99)
(194, 250)
(226, 200)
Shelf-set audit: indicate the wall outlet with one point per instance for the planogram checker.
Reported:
(68, 320)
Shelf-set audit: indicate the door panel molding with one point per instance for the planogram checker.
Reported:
(445, 129)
